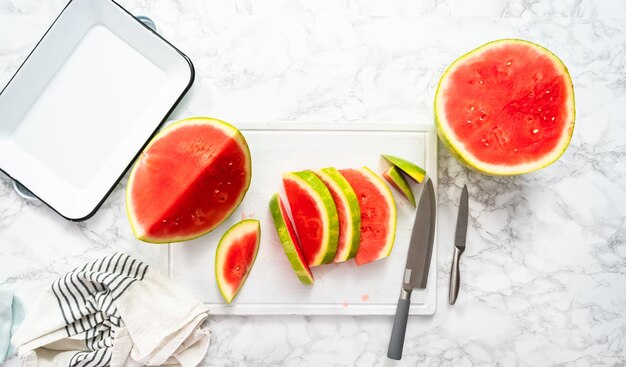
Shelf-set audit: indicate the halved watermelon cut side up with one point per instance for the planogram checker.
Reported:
(289, 240)
(348, 212)
(235, 256)
(378, 214)
(314, 215)
(414, 171)
(395, 179)
(506, 108)
(188, 180)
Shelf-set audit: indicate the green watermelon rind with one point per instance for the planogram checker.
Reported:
(331, 176)
(393, 215)
(234, 133)
(453, 144)
(301, 269)
(414, 171)
(223, 247)
(395, 179)
(309, 181)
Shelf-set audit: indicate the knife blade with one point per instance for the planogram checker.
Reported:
(417, 264)
(421, 243)
(459, 245)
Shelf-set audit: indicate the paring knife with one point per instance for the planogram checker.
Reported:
(417, 264)
(459, 245)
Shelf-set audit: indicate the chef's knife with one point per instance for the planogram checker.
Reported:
(417, 264)
(459, 245)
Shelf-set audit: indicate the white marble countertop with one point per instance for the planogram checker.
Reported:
(544, 274)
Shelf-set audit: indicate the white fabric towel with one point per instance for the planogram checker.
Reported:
(115, 311)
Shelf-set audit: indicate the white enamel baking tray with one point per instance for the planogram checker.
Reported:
(85, 102)
(339, 289)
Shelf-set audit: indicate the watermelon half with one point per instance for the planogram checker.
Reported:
(348, 212)
(235, 256)
(289, 240)
(188, 180)
(314, 215)
(506, 108)
(378, 214)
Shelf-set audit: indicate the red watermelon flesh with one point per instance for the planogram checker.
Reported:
(307, 217)
(292, 235)
(289, 240)
(235, 256)
(506, 107)
(240, 256)
(188, 180)
(378, 214)
(294, 239)
(314, 214)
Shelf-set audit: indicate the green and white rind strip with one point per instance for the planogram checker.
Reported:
(303, 272)
(391, 237)
(232, 235)
(395, 179)
(324, 200)
(414, 171)
(456, 147)
(332, 177)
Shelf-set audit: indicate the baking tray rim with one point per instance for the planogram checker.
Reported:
(192, 74)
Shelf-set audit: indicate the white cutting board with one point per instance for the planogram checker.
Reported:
(272, 287)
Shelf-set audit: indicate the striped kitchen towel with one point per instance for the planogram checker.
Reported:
(114, 311)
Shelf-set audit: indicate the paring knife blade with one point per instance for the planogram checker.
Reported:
(459, 245)
(461, 220)
(417, 264)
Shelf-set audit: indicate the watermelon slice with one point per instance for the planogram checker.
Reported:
(188, 180)
(348, 212)
(395, 179)
(414, 171)
(506, 108)
(378, 214)
(288, 239)
(235, 256)
(314, 215)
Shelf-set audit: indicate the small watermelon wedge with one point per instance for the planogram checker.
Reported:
(378, 214)
(348, 212)
(314, 216)
(235, 256)
(289, 240)
(506, 107)
(414, 171)
(395, 179)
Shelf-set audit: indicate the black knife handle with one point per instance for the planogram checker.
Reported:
(455, 276)
(396, 342)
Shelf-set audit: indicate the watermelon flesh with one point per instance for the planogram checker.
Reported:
(378, 214)
(188, 180)
(289, 240)
(314, 214)
(235, 256)
(506, 107)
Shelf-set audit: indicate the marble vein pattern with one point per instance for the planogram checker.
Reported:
(544, 273)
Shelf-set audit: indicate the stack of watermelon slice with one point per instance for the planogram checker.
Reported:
(337, 215)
